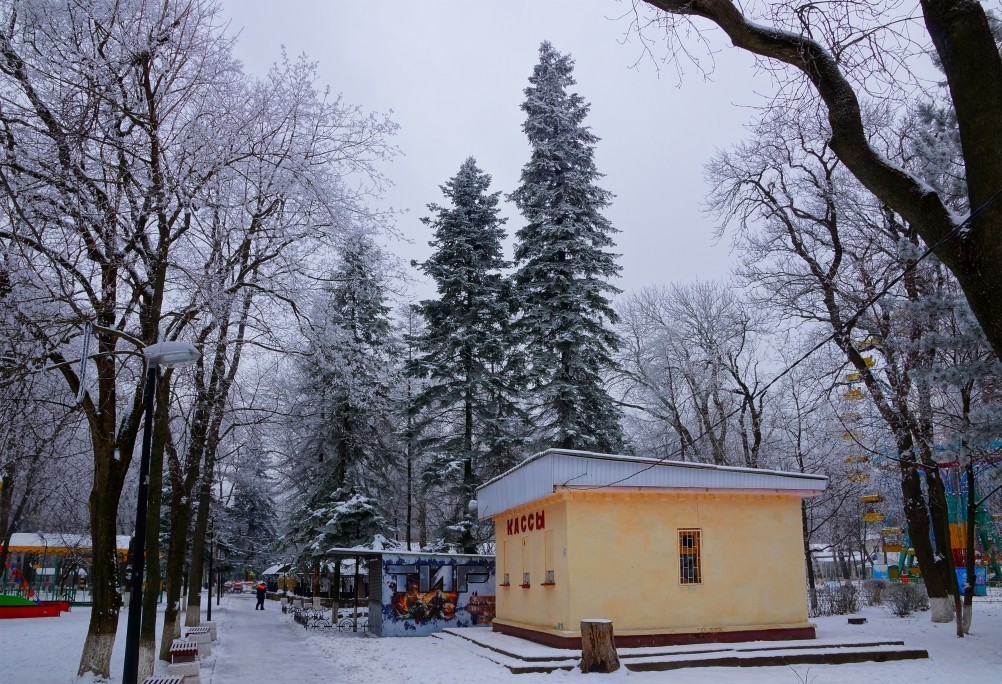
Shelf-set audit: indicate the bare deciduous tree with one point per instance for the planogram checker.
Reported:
(839, 47)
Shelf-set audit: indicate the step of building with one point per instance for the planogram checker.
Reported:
(521, 656)
(776, 657)
(514, 663)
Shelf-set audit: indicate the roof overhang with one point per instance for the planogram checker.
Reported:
(553, 470)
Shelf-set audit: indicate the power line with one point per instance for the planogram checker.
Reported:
(851, 321)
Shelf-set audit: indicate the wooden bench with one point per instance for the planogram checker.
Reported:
(164, 679)
(183, 651)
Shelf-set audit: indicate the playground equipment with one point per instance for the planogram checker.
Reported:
(19, 607)
(988, 544)
(906, 567)
(51, 566)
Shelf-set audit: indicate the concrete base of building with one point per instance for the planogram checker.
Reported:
(673, 638)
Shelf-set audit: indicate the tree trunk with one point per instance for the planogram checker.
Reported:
(214, 399)
(316, 583)
(180, 521)
(96, 656)
(917, 518)
(10, 515)
(808, 558)
(410, 485)
(422, 523)
(183, 477)
(148, 626)
(193, 616)
(598, 647)
(337, 589)
(469, 483)
(943, 564)
(111, 461)
(972, 512)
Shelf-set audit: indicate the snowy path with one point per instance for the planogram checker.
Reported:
(265, 647)
(269, 648)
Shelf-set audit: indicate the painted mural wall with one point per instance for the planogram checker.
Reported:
(423, 593)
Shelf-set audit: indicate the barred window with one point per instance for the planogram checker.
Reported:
(689, 560)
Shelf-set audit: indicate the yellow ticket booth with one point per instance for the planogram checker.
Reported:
(671, 552)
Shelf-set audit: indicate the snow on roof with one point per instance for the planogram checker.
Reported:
(22, 542)
(542, 474)
(349, 553)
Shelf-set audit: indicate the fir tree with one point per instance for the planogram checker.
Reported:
(248, 527)
(345, 435)
(563, 266)
(465, 349)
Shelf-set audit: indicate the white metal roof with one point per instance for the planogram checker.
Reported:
(545, 472)
(59, 540)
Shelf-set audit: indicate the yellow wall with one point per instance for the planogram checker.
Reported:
(539, 604)
(616, 556)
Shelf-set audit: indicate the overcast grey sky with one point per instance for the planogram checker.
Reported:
(454, 71)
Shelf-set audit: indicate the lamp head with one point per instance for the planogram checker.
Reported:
(171, 354)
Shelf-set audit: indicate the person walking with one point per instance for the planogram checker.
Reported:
(262, 589)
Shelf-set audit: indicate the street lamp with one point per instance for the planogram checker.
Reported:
(170, 354)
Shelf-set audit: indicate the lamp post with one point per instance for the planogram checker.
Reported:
(170, 355)
(41, 570)
(212, 552)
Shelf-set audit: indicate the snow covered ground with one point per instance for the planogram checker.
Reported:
(268, 648)
(975, 658)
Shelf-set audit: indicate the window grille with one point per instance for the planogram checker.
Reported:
(689, 557)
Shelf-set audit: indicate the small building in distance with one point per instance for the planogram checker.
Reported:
(670, 552)
(53, 565)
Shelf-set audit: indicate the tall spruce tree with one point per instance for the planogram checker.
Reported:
(465, 350)
(563, 266)
(344, 437)
(248, 526)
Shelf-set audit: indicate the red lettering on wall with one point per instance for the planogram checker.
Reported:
(526, 523)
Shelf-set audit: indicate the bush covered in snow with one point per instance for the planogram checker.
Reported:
(835, 599)
(905, 599)
(873, 591)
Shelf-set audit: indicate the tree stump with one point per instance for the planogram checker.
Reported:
(598, 647)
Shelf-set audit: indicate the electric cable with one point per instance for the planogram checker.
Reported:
(851, 321)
